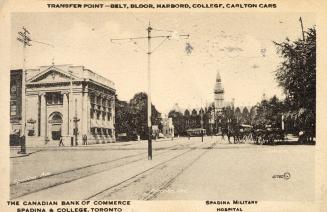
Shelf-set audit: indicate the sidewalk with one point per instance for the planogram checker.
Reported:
(14, 152)
(33, 149)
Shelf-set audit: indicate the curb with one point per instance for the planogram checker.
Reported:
(22, 155)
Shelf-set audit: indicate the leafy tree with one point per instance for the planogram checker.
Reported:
(269, 112)
(238, 114)
(252, 114)
(123, 122)
(297, 76)
(131, 118)
(245, 116)
(178, 122)
(138, 108)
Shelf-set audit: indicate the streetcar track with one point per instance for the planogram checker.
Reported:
(75, 169)
(80, 168)
(169, 183)
(87, 166)
(142, 172)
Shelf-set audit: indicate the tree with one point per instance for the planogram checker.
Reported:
(178, 121)
(245, 116)
(123, 122)
(131, 118)
(138, 108)
(238, 114)
(297, 76)
(252, 114)
(269, 112)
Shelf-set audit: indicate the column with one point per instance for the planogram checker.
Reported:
(44, 123)
(65, 114)
(89, 113)
(85, 110)
(71, 114)
(112, 118)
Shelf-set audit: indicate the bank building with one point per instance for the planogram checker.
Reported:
(62, 101)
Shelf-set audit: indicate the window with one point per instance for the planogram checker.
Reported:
(98, 100)
(13, 109)
(54, 98)
(92, 98)
(13, 89)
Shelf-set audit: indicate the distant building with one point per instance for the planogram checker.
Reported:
(167, 127)
(15, 105)
(64, 101)
(211, 117)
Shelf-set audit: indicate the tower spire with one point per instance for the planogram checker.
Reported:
(218, 77)
(219, 93)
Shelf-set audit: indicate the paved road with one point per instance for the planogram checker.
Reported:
(180, 169)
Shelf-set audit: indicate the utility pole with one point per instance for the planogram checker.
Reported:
(149, 29)
(304, 53)
(150, 50)
(201, 111)
(70, 104)
(302, 28)
(23, 37)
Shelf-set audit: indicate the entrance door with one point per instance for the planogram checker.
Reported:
(55, 126)
(56, 132)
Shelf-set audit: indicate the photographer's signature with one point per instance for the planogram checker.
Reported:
(285, 176)
(30, 178)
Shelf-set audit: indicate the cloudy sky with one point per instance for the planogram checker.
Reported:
(238, 45)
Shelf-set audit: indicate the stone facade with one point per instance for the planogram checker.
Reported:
(168, 127)
(69, 102)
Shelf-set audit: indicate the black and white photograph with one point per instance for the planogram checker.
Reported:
(148, 105)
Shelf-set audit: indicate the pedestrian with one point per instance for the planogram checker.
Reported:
(22, 145)
(301, 138)
(61, 143)
(85, 139)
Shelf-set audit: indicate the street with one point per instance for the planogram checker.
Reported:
(181, 169)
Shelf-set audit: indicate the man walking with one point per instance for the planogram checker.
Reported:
(61, 143)
(85, 140)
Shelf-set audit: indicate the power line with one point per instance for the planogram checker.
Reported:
(162, 30)
(149, 38)
(154, 49)
(48, 44)
(137, 19)
(25, 39)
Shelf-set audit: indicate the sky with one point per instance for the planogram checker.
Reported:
(238, 45)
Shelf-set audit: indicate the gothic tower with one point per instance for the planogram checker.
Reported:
(219, 93)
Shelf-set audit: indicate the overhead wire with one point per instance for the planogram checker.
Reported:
(162, 30)
(137, 19)
(48, 44)
(154, 49)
